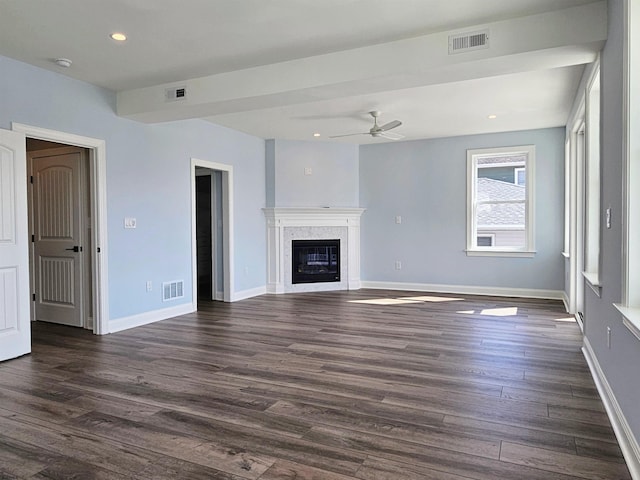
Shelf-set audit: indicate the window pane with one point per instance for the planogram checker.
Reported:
(485, 241)
(500, 201)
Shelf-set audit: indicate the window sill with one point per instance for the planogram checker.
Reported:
(500, 253)
(593, 280)
(630, 318)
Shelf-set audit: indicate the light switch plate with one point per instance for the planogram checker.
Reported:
(308, 171)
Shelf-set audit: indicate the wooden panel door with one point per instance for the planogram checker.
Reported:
(57, 226)
(15, 327)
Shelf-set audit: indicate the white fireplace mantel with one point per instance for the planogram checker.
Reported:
(291, 223)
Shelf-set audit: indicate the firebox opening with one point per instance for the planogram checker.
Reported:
(315, 261)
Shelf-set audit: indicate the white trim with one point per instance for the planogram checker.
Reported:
(626, 440)
(146, 318)
(227, 228)
(630, 318)
(496, 252)
(591, 177)
(473, 155)
(593, 280)
(631, 157)
(466, 289)
(252, 292)
(98, 179)
(565, 300)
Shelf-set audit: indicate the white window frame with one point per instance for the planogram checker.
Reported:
(592, 211)
(630, 304)
(515, 175)
(472, 232)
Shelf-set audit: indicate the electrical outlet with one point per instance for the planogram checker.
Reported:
(130, 222)
(149, 285)
(398, 265)
(308, 171)
(398, 219)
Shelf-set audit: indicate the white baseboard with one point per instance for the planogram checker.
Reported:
(628, 443)
(252, 292)
(565, 300)
(145, 318)
(465, 289)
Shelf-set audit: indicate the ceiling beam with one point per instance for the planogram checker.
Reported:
(560, 38)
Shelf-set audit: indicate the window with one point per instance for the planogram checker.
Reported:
(630, 304)
(500, 201)
(592, 183)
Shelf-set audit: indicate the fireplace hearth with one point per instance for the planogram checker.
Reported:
(315, 261)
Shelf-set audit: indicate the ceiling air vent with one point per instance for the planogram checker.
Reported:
(466, 42)
(175, 93)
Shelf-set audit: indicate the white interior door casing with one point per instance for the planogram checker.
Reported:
(15, 333)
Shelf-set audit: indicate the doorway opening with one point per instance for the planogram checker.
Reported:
(212, 227)
(91, 156)
(60, 264)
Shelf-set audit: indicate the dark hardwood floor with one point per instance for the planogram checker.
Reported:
(365, 384)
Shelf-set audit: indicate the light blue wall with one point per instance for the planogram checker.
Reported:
(334, 178)
(425, 182)
(148, 177)
(620, 362)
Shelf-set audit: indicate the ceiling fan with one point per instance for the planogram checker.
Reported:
(378, 130)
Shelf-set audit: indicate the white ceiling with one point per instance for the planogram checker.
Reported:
(314, 50)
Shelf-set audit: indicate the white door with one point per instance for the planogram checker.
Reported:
(15, 327)
(57, 235)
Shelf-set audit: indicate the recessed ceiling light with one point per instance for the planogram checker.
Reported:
(118, 37)
(492, 116)
(316, 134)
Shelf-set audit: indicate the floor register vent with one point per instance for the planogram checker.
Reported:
(172, 290)
(466, 42)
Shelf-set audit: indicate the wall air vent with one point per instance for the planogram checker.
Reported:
(175, 93)
(172, 290)
(466, 42)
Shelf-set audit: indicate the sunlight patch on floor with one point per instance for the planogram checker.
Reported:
(428, 298)
(566, 319)
(385, 301)
(406, 300)
(494, 312)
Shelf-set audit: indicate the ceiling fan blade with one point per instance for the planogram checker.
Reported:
(390, 125)
(349, 135)
(391, 135)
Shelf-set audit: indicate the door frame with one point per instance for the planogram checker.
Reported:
(227, 228)
(98, 205)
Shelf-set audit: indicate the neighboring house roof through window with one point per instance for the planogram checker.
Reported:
(490, 190)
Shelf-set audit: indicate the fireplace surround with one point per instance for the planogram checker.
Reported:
(284, 225)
